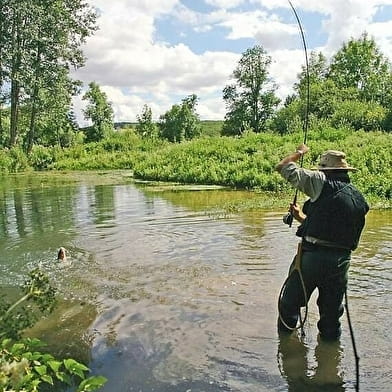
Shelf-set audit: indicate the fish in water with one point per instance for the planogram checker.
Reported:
(61, 256)
(63, 259)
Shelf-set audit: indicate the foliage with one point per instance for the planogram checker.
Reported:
(145, 126)
(19, 160)
(318, 69)
(369, 116)
(361, 65)
(210, 128)
(250, 100)
(38, 294)
(99, 111)
(242, 162)
(354, 90)
(287, 119)
(40, 42)
(22, 366)
(41, 157)
(181, 122)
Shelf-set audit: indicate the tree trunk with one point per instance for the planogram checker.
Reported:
(34, 99)
(33, 114)
(15, 89)
(15, 84)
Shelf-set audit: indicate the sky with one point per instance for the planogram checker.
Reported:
(157, 52)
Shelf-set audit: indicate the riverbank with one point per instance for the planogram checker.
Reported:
(239, 163)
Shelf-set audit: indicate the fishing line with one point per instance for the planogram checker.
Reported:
(288, 219)
(305, 123)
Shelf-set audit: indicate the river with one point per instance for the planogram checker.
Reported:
(165, 291)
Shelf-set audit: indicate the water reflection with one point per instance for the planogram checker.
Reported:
(103, 204)
(321, 373)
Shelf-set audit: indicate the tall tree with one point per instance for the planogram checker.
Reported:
(251, 99)
(318, 69)
(181, 122)
(19, 29)
(99, 111)
(360, 64)
(64, 26)
(145, 126)
(43, 42)
(55, 123)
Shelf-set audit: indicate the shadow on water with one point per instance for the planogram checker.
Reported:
(165, 292)
(66, 330)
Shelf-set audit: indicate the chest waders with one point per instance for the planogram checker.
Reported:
(288, 219)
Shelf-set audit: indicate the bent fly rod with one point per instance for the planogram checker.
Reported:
(288, 219)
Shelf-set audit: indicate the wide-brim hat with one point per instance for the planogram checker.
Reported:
(334, 160)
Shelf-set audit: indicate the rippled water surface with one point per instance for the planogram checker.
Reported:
(164, 293)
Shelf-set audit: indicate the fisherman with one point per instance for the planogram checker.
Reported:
(331, 223)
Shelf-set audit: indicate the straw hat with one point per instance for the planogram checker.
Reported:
(334, 160)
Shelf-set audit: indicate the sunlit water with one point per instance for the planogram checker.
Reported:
(161, 293)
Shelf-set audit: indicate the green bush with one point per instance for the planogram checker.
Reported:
(5, 162)
(368, 116)
(19, 161)
(41, 157)
(24, 368)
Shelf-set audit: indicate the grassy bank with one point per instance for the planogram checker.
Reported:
(247, 162)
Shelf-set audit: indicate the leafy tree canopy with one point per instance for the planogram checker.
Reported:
(145, 126)
(99, 111)
(181, 122)
(251, 99)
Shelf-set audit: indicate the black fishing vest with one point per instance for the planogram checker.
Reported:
(337, 216)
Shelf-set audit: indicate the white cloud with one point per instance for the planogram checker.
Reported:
(122, 55)
(226, 4)
(382, 33)
(211, 107)
(135, 68)
(284, 69)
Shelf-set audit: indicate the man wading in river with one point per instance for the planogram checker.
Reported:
(332, 220)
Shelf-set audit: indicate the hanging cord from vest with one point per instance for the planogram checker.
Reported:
(288, 219)
(353, 342)
(296, 268)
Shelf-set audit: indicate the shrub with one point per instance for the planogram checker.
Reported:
(41, 157)
(368, 116)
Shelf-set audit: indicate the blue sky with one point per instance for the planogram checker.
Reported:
(156, 52)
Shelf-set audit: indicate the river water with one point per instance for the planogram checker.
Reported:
(164, 291)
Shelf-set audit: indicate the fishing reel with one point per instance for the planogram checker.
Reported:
(288, 219)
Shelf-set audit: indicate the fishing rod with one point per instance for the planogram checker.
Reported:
(289, 217)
